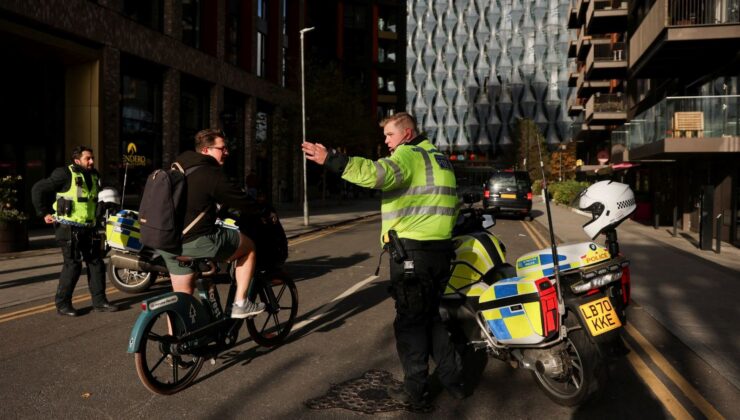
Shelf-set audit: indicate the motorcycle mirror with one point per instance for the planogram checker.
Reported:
(488, 221)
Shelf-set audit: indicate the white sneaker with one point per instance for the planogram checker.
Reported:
(249, 309)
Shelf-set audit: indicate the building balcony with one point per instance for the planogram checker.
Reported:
(575, 106)
(573, 17)
(580, 8)
(587, 88)
(572, 48)
(606, 16)
(685, 38)
(573, 71)
(605, 109)
(584, 43)
(688, 124)
(607, 61)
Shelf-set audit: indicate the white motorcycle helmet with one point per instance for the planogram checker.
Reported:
(109, 196)
(608, 202)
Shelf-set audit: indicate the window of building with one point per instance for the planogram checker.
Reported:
(262, 9)
(284, 69)
(141, 122)
(233, 32)
(284, 11)
(191, 23)
(194, 110)
(147, 13)
(261, 54)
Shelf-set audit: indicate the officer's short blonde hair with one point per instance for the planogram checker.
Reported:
(401, 120)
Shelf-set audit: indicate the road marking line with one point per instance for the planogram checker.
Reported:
(331, 304)
(691, 393)
(48, 307)
(538, 242)
(321, 234)
(659, 389)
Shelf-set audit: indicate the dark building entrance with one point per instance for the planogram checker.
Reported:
(32, 102)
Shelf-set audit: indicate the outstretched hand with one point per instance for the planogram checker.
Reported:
(315, 152)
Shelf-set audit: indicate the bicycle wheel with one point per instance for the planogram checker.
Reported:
(280, 296)
(161, 371)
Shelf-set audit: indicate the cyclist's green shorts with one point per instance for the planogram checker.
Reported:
(219, 245)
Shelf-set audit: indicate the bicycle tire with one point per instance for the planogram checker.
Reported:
(157, 368)
(280, 296)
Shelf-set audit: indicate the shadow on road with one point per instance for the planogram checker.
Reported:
(320, 265)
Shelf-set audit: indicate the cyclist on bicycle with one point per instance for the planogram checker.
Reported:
(208, 188)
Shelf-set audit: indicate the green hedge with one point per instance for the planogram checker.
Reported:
(564, 192)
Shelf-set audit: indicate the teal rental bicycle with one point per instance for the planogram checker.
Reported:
(176, 332)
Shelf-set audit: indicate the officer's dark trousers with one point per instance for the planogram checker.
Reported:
(418, 327)
(78, 245)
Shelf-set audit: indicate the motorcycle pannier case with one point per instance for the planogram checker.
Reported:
(520, 310)
(122, 231)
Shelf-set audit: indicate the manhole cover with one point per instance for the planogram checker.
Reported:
(366, 394)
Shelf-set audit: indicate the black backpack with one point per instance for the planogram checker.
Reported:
(162, 208)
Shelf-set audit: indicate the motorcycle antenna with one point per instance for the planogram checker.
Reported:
(125, 176)
(553, 244)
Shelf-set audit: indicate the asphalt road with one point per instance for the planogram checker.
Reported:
(58, 367)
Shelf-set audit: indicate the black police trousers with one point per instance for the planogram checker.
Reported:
(419, 329)
(78, 245)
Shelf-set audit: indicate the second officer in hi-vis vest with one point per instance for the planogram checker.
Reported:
(73, 212)
(419, 210)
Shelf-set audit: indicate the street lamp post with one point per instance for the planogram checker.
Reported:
(303, 112)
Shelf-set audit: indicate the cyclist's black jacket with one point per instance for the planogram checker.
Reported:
(207, 186)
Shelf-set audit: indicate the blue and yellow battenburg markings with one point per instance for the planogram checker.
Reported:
(122, 231)
(519, 322)
(538, 264)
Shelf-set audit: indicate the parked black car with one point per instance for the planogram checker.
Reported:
(509, 192)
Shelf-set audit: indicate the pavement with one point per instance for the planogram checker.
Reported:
(691, 292)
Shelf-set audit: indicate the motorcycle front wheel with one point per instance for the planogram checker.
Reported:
(130, 281)
(584, 379)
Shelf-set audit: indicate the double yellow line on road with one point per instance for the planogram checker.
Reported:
(661, 391)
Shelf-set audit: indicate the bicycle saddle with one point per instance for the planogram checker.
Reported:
(206, 266)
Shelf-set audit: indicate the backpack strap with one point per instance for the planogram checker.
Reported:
(190, 170)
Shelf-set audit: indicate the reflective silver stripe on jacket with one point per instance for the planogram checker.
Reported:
(397, 174)
(421, 190)
(379, 175)
(427, 165)
(419, 210)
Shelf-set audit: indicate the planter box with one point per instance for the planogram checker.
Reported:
(13, 236)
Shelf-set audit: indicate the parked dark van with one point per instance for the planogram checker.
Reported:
(509, 192)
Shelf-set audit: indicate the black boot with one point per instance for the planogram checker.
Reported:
(67, 309)
(105, 307)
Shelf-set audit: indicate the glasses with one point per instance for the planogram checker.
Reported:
(223, 149)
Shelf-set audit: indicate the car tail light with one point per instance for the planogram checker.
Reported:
(486, 194)
(143, 306)
(529, 196)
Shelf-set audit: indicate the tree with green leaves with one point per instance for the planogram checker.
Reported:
(527, 136)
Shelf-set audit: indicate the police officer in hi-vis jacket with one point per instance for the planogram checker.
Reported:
(69, 200)
(419, 209)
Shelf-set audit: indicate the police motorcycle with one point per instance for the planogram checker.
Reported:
(133, 267)
(558, 313)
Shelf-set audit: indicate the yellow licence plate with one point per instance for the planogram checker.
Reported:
(600, 316)
(508, 195)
